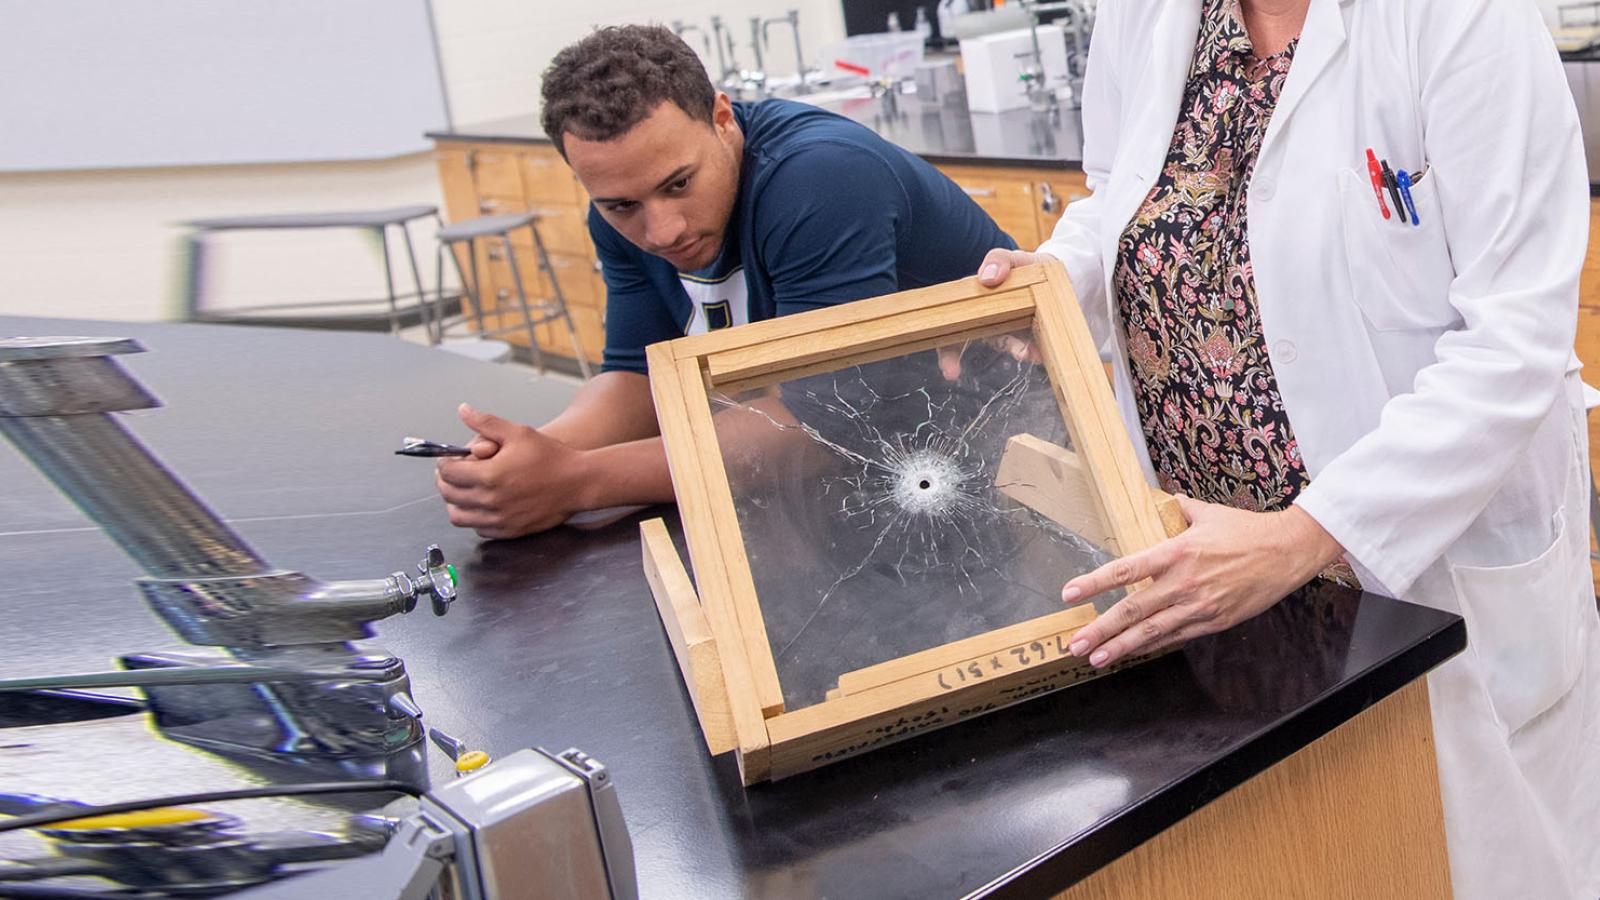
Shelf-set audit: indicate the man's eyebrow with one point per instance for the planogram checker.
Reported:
(676, 174)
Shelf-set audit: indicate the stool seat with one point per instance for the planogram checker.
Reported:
(342, 314)
(480, 301)
(360, 218)
(483, 226)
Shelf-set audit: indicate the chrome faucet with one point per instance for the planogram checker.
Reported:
(792, 19)
(730, 77)
(756, 78)
(681, 28)
(288, 684)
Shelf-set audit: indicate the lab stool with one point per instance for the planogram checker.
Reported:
(496, 230)
(377, 221)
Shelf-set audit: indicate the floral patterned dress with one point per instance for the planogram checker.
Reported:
(1213, 419)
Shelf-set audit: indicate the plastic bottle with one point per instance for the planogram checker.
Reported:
(894, 22)
(923, 29)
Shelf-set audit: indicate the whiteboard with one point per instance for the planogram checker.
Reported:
(123, 83)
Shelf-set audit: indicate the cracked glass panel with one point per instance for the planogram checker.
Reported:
(877, 516)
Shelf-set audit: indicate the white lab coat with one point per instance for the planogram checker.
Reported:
(1427, 371)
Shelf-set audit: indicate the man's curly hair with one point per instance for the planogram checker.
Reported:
(600, 87)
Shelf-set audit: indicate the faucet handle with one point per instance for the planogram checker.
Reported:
(437, 579)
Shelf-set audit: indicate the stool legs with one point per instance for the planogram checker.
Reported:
(192, 290)
(498, 240)
(522, 298)
(560, 301)
(388, 280)
(416, 278)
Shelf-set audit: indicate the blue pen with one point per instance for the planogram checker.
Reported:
(1405, 191)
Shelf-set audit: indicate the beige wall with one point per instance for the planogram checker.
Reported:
(106, 244)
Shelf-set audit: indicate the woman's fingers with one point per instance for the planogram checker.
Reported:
(1120, 572)
(998, 263)
(1143, 635)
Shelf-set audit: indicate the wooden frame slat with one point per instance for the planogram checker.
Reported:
(730, 557)
(1000, 640)
(846, 345)
(732, 387)
(1107, 450)
(847, 314)
(690, 635)
(850, 724)
(694, 508)
(1050, 480)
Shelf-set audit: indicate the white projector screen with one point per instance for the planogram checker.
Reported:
(124, 83)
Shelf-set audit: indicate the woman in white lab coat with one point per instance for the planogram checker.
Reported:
(1344, 384)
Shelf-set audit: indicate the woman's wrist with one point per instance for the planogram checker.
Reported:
(1306, 541)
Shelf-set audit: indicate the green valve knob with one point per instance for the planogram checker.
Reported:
(452, 571)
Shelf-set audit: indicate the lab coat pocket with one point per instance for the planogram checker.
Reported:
(1525, 629)
(1400, 273)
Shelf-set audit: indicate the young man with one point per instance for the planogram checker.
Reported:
(706, 214)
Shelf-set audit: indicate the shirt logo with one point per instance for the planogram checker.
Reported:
(715, 304)
(719, 315)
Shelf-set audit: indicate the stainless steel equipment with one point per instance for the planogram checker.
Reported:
(535, 825)
(288, 685)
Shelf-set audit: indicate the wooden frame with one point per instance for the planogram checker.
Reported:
(716, 627)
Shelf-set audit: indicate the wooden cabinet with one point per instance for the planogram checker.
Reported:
(483, 178)
(1025, 203)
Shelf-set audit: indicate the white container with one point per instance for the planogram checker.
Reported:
(995, 64)
(889, 55)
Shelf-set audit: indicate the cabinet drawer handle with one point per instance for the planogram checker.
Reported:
(503, 294)
(497, 253)
(977, 192)
(488, 206)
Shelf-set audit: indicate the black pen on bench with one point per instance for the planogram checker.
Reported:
(415, 446)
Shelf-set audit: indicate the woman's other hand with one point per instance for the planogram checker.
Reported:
(998, 263)
(1228, 566)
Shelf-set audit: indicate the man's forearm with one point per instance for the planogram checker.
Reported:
(613, 408)
(626, 474)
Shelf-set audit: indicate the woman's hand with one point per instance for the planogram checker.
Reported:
(1228, 566)
(997, 265)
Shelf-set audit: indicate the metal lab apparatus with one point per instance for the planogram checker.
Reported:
(533, 826)
(287, 684)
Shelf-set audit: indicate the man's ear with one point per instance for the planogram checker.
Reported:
(722, 114)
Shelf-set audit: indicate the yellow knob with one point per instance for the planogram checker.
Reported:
(472, 761)
(145, 818)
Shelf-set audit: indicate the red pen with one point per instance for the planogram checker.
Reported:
(1376, 171)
